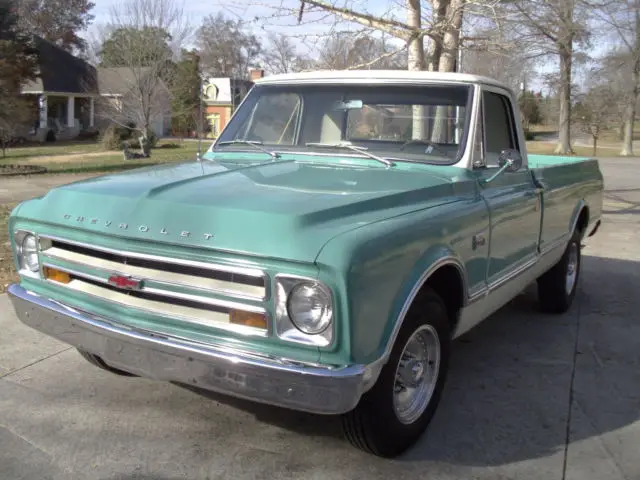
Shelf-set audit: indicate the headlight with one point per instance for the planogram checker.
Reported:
(27, 247)
(304, 311)
(309, 307)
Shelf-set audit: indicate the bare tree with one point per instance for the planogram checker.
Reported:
(281, 55)
(144, 38)
(226, 47)
(595, 110)
(409, 21)
(347, 51)
(621, 21)
(553, 28)
(497, 55)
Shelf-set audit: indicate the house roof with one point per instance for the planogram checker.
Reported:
(116, 80)
(61, 72)
(120, 80)
(378, 76)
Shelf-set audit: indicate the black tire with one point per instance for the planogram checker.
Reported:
(373, 425)
(98, 362)
(555, 293)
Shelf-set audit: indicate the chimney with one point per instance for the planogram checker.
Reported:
(256, 74)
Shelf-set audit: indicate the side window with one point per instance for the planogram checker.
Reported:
(499, 129)
(274, 119)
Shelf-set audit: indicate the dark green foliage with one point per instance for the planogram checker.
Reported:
(58, 21)
(130, 47)
(185, 91)
(529, 105)
(18, 64)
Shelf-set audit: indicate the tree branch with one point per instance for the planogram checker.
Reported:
(393, 27)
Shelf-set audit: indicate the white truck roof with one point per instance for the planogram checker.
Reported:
(377, 76)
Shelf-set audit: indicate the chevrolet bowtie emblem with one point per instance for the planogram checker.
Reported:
(125, 282)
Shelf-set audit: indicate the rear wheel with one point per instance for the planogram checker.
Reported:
(557, 287)
(98, 362)
(393, 415)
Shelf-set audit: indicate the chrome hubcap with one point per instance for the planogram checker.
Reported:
(416, 374)
(572, 268)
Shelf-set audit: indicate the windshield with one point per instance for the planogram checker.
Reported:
(423, 123)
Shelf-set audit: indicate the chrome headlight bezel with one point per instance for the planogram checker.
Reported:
(286, 326)
(20, 237)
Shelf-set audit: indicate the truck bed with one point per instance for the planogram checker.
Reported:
(542, 161)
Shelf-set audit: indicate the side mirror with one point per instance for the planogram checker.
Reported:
(511, 159)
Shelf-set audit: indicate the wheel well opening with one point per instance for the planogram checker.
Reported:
(583, 221)
(447, 282)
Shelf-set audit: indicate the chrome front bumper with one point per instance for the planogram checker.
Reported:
(287, 384)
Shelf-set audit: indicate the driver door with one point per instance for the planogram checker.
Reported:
(512, 198)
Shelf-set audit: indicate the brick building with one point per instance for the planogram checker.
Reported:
(222, 95)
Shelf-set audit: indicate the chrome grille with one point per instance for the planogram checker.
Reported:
(178, 288)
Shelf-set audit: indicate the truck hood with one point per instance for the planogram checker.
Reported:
(282, 209)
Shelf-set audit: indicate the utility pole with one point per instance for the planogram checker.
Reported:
(200, 96)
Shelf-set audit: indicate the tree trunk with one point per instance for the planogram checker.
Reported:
(448, 59)
(416, 41)
(416, 61)
(564, 120)
(451, 38)
(629, 121)
(439, 8)
(630, 112)
(622, 126)
(145, 141)
(595, 146)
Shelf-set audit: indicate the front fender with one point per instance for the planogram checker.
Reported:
(377, 269)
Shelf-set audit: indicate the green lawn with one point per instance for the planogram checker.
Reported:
(7, 270)
(76, 157)
(51, 149)
(546, 148)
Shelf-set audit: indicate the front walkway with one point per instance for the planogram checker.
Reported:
(17, 189)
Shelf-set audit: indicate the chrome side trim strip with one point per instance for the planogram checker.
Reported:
(448, 260)
(497, 283)
(577, 211)
(555, 244)
(252, 272)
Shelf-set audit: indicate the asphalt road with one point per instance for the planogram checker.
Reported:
(529, 396)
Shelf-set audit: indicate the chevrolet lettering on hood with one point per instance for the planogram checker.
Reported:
(125, 226)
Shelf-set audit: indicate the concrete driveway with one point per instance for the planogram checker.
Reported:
(529, 396)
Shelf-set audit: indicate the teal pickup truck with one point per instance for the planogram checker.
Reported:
(321, 255)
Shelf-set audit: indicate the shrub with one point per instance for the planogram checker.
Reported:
(111, 138)
(529, 135)
(115, 136)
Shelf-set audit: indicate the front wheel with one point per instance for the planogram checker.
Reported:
(557, 287)
(392, 416)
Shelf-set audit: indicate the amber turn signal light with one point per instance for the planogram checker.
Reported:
(248, 319)
(56, 275)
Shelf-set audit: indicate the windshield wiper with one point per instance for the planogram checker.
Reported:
(253, 143)
(355, 148)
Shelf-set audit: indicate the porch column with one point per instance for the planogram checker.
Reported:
(92, 111)
(71, 111)
(44, 110)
